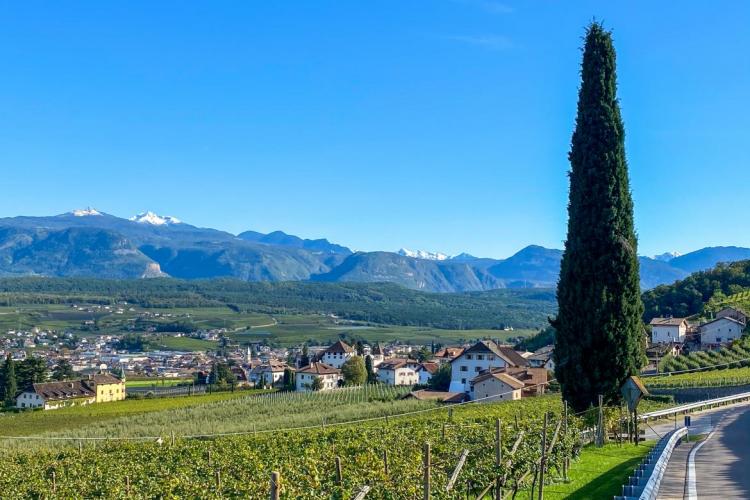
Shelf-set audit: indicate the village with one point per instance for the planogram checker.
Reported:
(99, 366)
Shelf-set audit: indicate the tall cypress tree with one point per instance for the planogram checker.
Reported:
(9, 381)
(599, 340)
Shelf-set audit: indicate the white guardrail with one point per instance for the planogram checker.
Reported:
(644, 483)
(708, 403)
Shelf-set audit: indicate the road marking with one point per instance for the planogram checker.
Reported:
(692, 489)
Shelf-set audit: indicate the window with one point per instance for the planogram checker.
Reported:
(464, 369)
(491, 357)
(463, 380)
(480, 357)
(468, 356)
(477, 369)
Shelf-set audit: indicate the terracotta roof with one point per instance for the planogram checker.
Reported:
(506, 353)
(667, 321)
(58, 391)
(430, 395)
(529, 376)
(271, 366)
(449, 352)
(392, 364)
(340, 347)
(319, 369)
(501, 375)
(429, 366)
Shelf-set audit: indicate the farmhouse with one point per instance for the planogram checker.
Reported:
(328, 375)
(426, 370)
(720, 330)
(338, 354)
(106, 387)
(482, 356)
(731, 312)
(542, 358)
(495, 385)
(100, 388)
(668, 330)
(269, 373)
(398, 372)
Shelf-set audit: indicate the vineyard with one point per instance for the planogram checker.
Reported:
(709, 378)
(738, 354)
(385, 454)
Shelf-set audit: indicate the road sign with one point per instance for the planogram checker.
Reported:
(687, 420)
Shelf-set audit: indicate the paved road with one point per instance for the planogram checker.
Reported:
(720, 464)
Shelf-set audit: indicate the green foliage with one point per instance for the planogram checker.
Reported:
(706, 378)
(63, 370)
(441, 379)
(317, 384)
(599, 340)
(132, 342)
(8, 383)
(541, 339)
(30, 371)
(288, 381)
(354, 371)
(303, 457)
(372, 377)
(726, 284)
(382, 303)
(221, 374)
(733, 356)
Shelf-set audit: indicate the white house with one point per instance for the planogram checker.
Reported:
(328, 375)
(731, 312)
(542, 358)
(482, 356)
(377, 355)
(721, 330)
(426, 370)
(668, 330)
(495, 385)
(269, 373)
(53, 395)
(338, 354)
(398, 372)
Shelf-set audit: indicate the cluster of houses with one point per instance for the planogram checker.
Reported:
(672, 335)
(484, 370)
(727, 325)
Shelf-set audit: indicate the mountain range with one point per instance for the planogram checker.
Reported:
(90, 243)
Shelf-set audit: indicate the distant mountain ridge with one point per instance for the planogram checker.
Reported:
(87, 242)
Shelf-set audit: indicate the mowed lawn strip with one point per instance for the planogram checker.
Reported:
(597, 473)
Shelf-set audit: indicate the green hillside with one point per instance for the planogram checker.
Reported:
(380, 303)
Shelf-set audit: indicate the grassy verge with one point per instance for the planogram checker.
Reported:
(597, 473)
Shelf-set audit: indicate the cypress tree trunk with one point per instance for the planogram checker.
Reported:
(600, 334)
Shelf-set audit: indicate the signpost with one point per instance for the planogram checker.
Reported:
(633, 391)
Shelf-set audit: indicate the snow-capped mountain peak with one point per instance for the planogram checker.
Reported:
(84, 212)
(154, 219)
(667, 256)
(422, 254)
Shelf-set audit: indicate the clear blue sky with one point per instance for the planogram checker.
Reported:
(440, 124)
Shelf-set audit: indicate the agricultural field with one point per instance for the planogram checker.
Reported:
(240, 465)
(79, 417)
(707, 378)
(738, 354)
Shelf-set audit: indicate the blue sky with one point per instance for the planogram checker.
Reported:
(441, 124)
